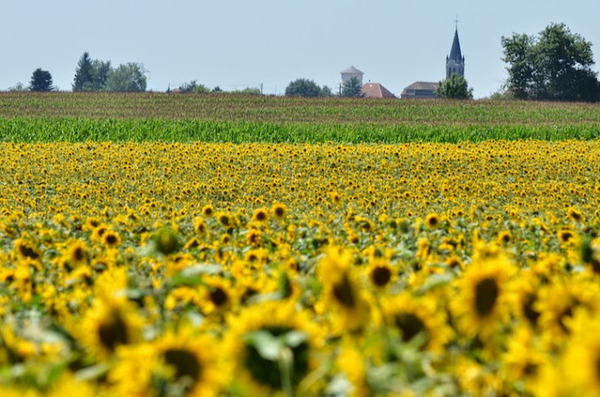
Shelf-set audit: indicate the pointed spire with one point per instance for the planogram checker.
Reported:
(455, 53)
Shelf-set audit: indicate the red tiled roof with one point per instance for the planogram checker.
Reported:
(376, 90)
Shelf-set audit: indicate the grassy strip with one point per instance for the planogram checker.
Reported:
(141, 130)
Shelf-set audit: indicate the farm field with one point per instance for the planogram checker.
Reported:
(137, 266)
(80, 117)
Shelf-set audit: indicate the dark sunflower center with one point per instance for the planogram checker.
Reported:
(486, 293)
(381, 275)
(267, 371)
(279, 211)
(344, 293)
(111, 239)
(409, 324)
(28, 252)
(530, 313)
(184, 362)
(597, 363)
(218, 296)
(78, 254)
(261, 216)
(113, 332)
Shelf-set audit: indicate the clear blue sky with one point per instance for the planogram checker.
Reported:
(240, 43)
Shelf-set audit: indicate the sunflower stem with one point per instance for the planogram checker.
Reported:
(286, 368)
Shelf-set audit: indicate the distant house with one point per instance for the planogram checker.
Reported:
(376, 90)
(420, 89)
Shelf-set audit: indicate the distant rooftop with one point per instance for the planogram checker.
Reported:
(420, 89)
(376, 90)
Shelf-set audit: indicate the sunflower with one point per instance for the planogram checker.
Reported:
(225, 219)
(412, 316)
(98, 233)
(432, 220)
(558, 304)
(523, 361)
(27, 249)
(481, 304)
(218, 296)
(208, 210)
(109, 323)
(260, 215)
(111, 238)
(194, 362)
(274, 346)
(380, 273)
(200, 226)
(565, 235)
(75, 254)
(526, 298)
(279, 210)
(254, 237)
(575, 215)
(504, 237)
(342, 292)
(580, 363)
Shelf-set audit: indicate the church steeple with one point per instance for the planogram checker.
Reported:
(455, 62)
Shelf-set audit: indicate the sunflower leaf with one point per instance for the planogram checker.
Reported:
(435, 281)
(294, 338)
(267, 345)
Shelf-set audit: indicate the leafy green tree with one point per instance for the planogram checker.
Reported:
(41, 80)
(127, 77)
(303, 87)
(18, 87)
(456, 87)
(100, 72)
(554, 65)
(352, 88)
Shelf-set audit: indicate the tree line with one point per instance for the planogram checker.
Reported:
(93, 75)
(554, 65)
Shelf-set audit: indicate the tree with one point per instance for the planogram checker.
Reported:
(83, 73)
(303, 87)
(126, 78)
(326, 91)
(90, 75)
(555, 65)
(100, 71)
(352, 88)
(18, 87)
(41, 80)
(456, 87)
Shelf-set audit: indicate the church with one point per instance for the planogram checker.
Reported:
(455, 64)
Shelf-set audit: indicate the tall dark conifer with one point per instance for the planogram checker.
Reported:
(83, 74)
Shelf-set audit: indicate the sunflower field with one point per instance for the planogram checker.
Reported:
(132, 268)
